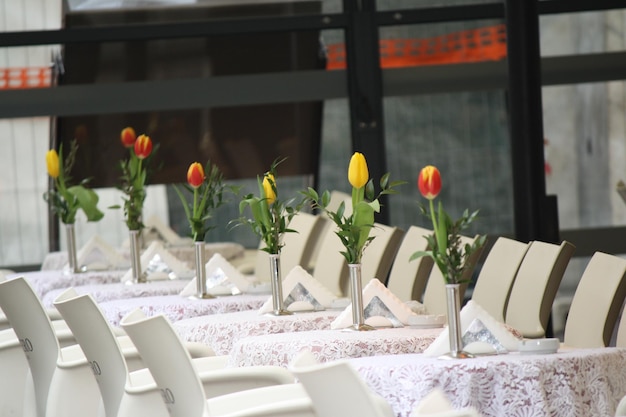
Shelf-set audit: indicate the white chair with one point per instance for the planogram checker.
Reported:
(298, 246)
(336, 389)
(597, 302)
(535, 287)
(497, 275)
(183, 392)
(378, 255)
(331, 268)
(127, 393)
(435, 293)
(62, 378)
(407, 279)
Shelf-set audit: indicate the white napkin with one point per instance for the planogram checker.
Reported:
(159, 264)
(97, 254)
(156, 229)
(478, 327)
(222, 279)
(436, 404)
(302, 292)
(380, 308)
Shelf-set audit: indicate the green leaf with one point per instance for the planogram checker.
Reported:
(87, 201)
(362, 220)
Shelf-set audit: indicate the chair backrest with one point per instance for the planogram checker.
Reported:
(407, 279)
(331, 268)
(597, 302)
(535, 287)
(497, 275)
(378, 255)
(33, 328)
(435, 292)
(99, 344)
(163, 352)
(336, 389)
(298, 246)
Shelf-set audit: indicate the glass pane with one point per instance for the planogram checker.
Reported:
(466, 136)
(582, 33)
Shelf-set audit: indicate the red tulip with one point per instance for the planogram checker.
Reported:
(128, 137)
(195, 175)
(143, 146)
(429, 182)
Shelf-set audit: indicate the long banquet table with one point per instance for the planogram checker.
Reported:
(44, 282)
(118, 291)
(328, 345)
(570, 383)
(176, 308)
(222, 331)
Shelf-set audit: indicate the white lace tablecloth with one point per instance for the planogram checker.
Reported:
(44, 282)
(573, 383)
(222, 331)
(327, 345)
(176, 308)
(229, 250)
(118, 291)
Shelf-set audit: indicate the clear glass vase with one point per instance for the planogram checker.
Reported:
(453, 300)
(139, 277)
(277, 287)
(356, 297)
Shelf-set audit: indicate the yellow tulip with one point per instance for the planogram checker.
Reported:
(270, 195)
(358, 175)
(52, 163)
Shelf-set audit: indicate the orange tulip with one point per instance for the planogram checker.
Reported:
(195, 175)
(143, 146)
(268, 180)
(128, 137)
(429, 182)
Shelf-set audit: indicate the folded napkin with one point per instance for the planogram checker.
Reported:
(156, 229)
(97, 254)
(436, 404)
(302, 292)
(159, 264)
(478, 327)
(381, 308)
(222, 278)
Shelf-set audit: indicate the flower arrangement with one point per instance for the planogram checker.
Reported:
(354, 230)
(207, 193)
(270, 215)
(66, 199)
(445, 245)
(134, 175)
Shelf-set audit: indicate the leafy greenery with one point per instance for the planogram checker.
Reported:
(270, 219)
(66, 200)
(445, 245)
(354, 230)
(206, 199)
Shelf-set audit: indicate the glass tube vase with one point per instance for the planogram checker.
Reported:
(139, 277)
(277, 287)
(356, 297)
(201, 284)
(453, 301)
(70, 233)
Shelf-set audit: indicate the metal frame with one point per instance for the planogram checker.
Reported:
(363, 82)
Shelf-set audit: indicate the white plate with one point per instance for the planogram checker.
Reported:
(539, 346)
(426, 321)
